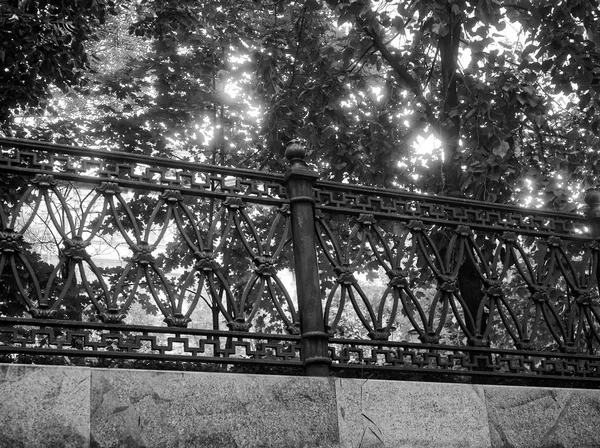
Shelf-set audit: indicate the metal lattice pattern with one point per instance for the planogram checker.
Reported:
(173, 250)
(387, 204)
(480, 289)
(129, 342)
(453, 362)
(107, 255)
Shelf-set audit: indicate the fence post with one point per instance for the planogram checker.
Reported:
(299, 180)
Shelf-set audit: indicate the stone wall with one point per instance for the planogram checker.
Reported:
(49, 406)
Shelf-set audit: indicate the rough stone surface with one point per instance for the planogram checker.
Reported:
(44, 406)
(542, 417)
(403, 414)
(171, 409)
(52, 406)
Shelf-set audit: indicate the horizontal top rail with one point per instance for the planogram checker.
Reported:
(335, 197)
(138, 158)
(94, 167)
(346, 198)
(442, 200)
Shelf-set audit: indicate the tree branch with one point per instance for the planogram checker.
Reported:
(300, 30)
(402, 74)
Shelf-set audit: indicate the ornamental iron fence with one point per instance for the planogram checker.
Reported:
(116, 259)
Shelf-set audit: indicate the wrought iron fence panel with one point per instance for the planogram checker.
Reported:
(455, 273)
(116, 259)
(177, 237)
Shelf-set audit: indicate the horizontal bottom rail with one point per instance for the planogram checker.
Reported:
(131, 346)
(134, 346)
(434, 362)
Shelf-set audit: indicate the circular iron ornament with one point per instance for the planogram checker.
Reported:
(75, 249)
(42, 312)
(380, 334)
(366, 219)
(416, 226)
(449, 287)
(554, 241)
(540, 294)
(525, 344)
(398, 278)
(172, 196)
(177, 320)
(109, 188)
(493, 289)
(509, 237)
(447, 284)
(239, 324)
(10, 241)
(585, 298)
(234, 203)
(205, 261)
(112, 316)
(142, 254)
(345, 276)
(464, 231)
(265, 266)
(429, 338)
(44, 181)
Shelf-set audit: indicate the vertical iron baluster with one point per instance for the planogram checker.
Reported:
(299, 180)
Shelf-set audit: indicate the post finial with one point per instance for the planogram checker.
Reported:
(295, 152)
(592, 199)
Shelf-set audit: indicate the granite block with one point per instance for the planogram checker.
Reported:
(543, 417)
(44, 406)
(50, 406)
(193, 409)
(374, 413)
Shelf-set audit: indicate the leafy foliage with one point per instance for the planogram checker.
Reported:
(42, 44)
(510, 90)
(504, 111)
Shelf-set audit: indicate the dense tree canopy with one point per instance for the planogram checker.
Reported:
(509, 91)
(42, 44)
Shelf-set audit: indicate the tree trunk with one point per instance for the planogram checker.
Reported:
(449, 120)
(469, 280)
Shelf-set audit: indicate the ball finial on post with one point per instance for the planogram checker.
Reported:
(592, 199)
(295, 152)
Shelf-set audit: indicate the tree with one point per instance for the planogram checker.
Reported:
(502, 117)
(360, 81)
(43, 44)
